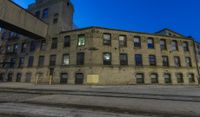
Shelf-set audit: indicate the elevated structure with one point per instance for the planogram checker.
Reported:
(17, 19)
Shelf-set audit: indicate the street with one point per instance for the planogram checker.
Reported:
(18, 100)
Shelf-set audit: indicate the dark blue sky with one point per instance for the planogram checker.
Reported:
(182, 16)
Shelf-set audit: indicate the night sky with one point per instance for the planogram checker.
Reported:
(182, 16)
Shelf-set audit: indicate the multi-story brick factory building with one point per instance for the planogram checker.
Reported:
(95, 55)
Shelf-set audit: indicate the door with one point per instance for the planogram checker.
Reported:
(10, 77)
(19, 75)
(79, 78)
(2, 75)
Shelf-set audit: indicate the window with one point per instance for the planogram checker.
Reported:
(37, 14)
(52, 61)
(12, 62)
(30, 61)
(63, 78)
(41, 61)
(54, 43)
(177, 61)
(154, 78)
(24, 47)
(66, 59)
(165, 61)
(32, 46)
(122, 41)
(55, 19)
(179, 77)
(81, 40)
(107, 58)
(8, 49)
(188, 61)
(67, 41)
(152, 60)
(106, 39)
(19, 76)
(28, 77)
(80, 58)
(45, 13)
(79, 78)
(167, 78)
(150, 43)
(185, 46)
(174, 45)
(21, 62)
(138, 60)
(43, 45)
(10, 75)
(15, 48)
(137, 42)
(123, 59)
(191, 78)
(139, 78)
(163, 45)
(2, 77)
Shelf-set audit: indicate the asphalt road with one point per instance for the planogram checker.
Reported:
(17, 100)
(28, 110)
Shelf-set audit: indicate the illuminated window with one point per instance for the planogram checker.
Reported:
(81, 40)
(107, 58)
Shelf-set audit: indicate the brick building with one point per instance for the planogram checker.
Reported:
(96, 55)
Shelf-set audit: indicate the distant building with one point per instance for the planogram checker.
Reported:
(96, 55)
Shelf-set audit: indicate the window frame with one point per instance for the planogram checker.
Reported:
(107, 62)
(150, 45)
(138, 62)
(124, 42)
(123, 62)
(152, 63)
(137, 44)
(79, 43)
(163, 47)
(67, 41)
(80, 58)
(105, 41)
(52, 60)
(63, 59)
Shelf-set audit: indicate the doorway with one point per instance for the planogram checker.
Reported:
(79, 78)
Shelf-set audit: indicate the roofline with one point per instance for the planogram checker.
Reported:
(171, 31)
(90, 27)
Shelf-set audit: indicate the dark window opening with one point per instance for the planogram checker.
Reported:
(52, 61)
(41, 61)
(80, 58)
(19, 76)
(67, 41)
(123, 59)
(138, 60)
(63, 78)
(54, 43)
(79, 78)
(140, 78)
(152, 60)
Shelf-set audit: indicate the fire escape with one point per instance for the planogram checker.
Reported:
(8, 51)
